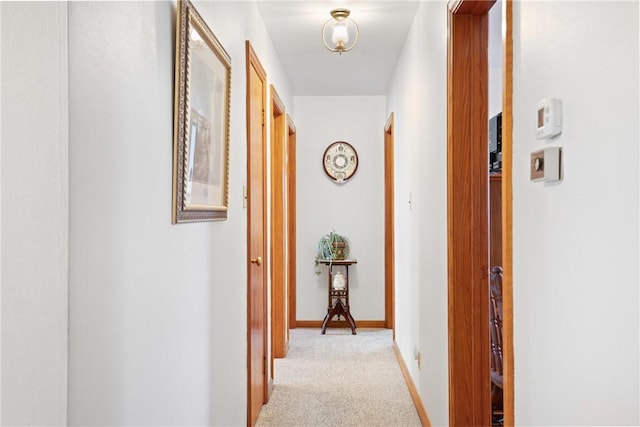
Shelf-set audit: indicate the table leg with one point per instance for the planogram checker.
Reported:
(352, 323)
(325, 322)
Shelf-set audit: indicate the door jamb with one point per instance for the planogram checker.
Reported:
(279, 315)
(389, 221)
(507, 213)
(467, 213)
(291, 197)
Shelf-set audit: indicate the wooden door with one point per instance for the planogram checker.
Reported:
(256, 238)
(389, 240)
(279, 220)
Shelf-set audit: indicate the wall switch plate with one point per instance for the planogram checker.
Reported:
(244, 197)
(546, 164)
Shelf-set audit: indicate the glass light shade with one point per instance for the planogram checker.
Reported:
(340, 35)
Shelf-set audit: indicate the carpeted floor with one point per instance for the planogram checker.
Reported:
(339, 379)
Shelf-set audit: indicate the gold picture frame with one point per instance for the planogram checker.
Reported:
(201, 121)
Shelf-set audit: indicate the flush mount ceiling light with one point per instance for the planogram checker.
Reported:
(341, 25)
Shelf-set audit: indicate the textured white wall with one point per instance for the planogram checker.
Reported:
(576, 242)
(355, 208)
(495, 59)
(418, 98)
(34, 211)
(158, 311)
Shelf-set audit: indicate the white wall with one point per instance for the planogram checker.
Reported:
(495, 59)
(354, 208)
(34, 212)
(576, 242)
(417, 97)
(1, 204)
(158, 311)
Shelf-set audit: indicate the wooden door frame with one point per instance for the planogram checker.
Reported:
(279, 229)
(507, 213)
(467, 212)
(468, 220)
(291, 197)
(389, 221)
(252, 62)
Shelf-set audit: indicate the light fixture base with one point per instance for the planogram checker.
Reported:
(340, 14)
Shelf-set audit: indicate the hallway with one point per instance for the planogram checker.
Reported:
(339, 379)
(111, 315)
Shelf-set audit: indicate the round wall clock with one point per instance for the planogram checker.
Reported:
(340, 161)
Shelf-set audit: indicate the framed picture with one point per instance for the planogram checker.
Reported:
(201, 121)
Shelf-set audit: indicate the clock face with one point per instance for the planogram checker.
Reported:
(340, 161)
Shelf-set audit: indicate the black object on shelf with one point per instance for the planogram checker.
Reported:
(495, 143)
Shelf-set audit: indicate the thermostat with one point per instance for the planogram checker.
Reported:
(546, 164)
(549, 118)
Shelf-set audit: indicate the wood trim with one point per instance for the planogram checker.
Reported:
(389, 124)
(507, 214)
(277, 101)
(291, 125)
(255, 62)
(468, 222)
(279, 293)
(389, 221)
(495, 220)
(317, 324)
(415, 395)
(466, 7)
(292, 215)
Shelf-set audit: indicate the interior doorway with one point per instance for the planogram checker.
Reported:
(469, 343)
(389, 221)
(292, 215)
(279, 229)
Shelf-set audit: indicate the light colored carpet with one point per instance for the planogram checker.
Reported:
(339, 379)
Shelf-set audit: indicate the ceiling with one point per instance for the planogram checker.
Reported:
(295, 29)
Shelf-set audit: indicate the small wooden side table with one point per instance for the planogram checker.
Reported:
(338, 300)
